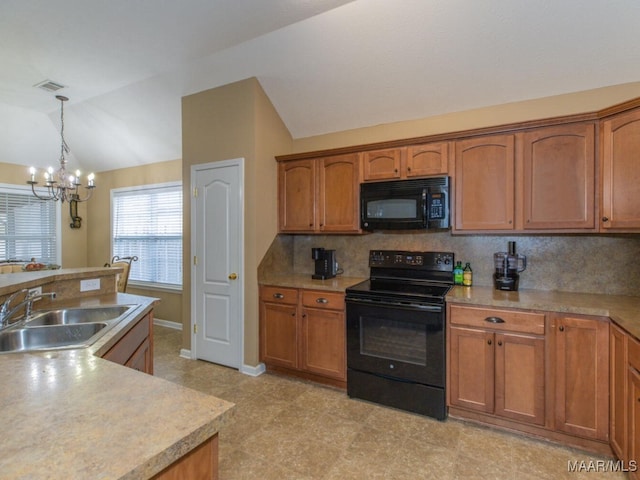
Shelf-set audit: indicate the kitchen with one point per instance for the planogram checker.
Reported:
(588, 256)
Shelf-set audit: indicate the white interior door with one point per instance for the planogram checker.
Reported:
(217, 283)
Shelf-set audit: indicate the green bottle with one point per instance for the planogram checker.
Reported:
(467, 275)
(457, 273)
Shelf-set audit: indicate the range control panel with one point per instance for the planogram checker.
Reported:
(442, 261)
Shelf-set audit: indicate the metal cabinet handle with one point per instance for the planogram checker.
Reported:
(279, 296)
(500, 343)
(494, 320)
(605, 219)
(233, 276)
(322, 300)
(488, 342)
(561, 328)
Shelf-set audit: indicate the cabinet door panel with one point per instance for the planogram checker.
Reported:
(278, 339)
(296, 196)
(559, 177)
(634, 418)
(381, 164)
(520, 392)
(339, 194)
(429, 159)
(484, 183)
(582, 377)
(472, 369)
(618, 389)
(621, 172)
(323, 343)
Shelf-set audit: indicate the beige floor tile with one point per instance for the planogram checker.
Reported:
(287, 428)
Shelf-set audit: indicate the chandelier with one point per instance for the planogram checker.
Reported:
(60, 184)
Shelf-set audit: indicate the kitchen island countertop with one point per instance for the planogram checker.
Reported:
(622, 309)
(70, 414)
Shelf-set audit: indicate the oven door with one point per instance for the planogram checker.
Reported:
(399, 341)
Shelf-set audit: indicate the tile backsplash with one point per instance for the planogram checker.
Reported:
(572, 263)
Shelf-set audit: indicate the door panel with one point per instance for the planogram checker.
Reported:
(217, 237)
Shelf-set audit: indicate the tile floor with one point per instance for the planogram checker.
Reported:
(289, 429)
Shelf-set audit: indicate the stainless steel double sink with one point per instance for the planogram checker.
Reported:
(62, 328)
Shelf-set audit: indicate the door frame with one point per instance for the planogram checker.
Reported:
(194, 171)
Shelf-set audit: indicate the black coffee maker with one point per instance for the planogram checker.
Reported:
(508, 267)
(326, 266)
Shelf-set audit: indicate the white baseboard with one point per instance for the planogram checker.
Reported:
(167, 323)
(253, 371)
(185, 353)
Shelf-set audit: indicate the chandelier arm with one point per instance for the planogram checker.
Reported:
(40, 197)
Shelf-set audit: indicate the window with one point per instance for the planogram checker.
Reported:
(29, 227)
(147, 222)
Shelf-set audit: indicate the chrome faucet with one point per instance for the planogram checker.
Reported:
(27, 303)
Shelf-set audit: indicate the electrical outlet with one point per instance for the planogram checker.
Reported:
(35, 291)
(90, 284)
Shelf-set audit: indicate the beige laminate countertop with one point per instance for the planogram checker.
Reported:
(296, 280)
(623, 310)
(70, 414)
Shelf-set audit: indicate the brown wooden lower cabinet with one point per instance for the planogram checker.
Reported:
(538, 372)
(618, 416)
(302, 333)
(135, 348)
(495, 371)
(581, 363)
(633, 405)
(201, 463)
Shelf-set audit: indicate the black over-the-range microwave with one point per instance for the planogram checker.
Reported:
(421, 203)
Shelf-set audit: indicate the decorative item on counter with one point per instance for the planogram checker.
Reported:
(508, 267)
(467, 275)
(457, 273)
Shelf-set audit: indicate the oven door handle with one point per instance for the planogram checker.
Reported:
(402, 305)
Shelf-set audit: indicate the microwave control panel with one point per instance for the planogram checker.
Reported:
(436, 204)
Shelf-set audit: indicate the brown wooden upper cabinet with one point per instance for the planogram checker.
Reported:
(538, 180)
(621, 172)
(405, 162)
(559, 177)
(319, 195)
(484, 183)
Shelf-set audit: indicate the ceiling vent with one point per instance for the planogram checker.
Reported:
(49, 86)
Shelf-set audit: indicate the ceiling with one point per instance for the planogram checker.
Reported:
(327, 65)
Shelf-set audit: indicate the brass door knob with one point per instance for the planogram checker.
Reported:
(233, 276)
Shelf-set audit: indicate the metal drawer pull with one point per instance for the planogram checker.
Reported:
(494, 320)
(322, 300)
(278, 296)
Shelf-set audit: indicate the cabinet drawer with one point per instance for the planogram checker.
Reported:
(508, 320)
(634, 353)
(279, 295)
(321, 299)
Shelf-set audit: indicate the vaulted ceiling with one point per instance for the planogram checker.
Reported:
(327, 65)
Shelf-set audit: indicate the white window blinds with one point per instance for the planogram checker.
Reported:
(28, 226)
(147, 222)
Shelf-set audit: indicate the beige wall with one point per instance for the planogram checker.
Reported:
(98, 224)
(572, 103)
(74, 241)
(236, 121)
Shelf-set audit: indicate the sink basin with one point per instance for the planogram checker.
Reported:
(72, 316)
(48, 338)
(62, 328)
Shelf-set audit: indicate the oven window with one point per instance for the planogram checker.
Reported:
(392, 208)
(393, 340)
